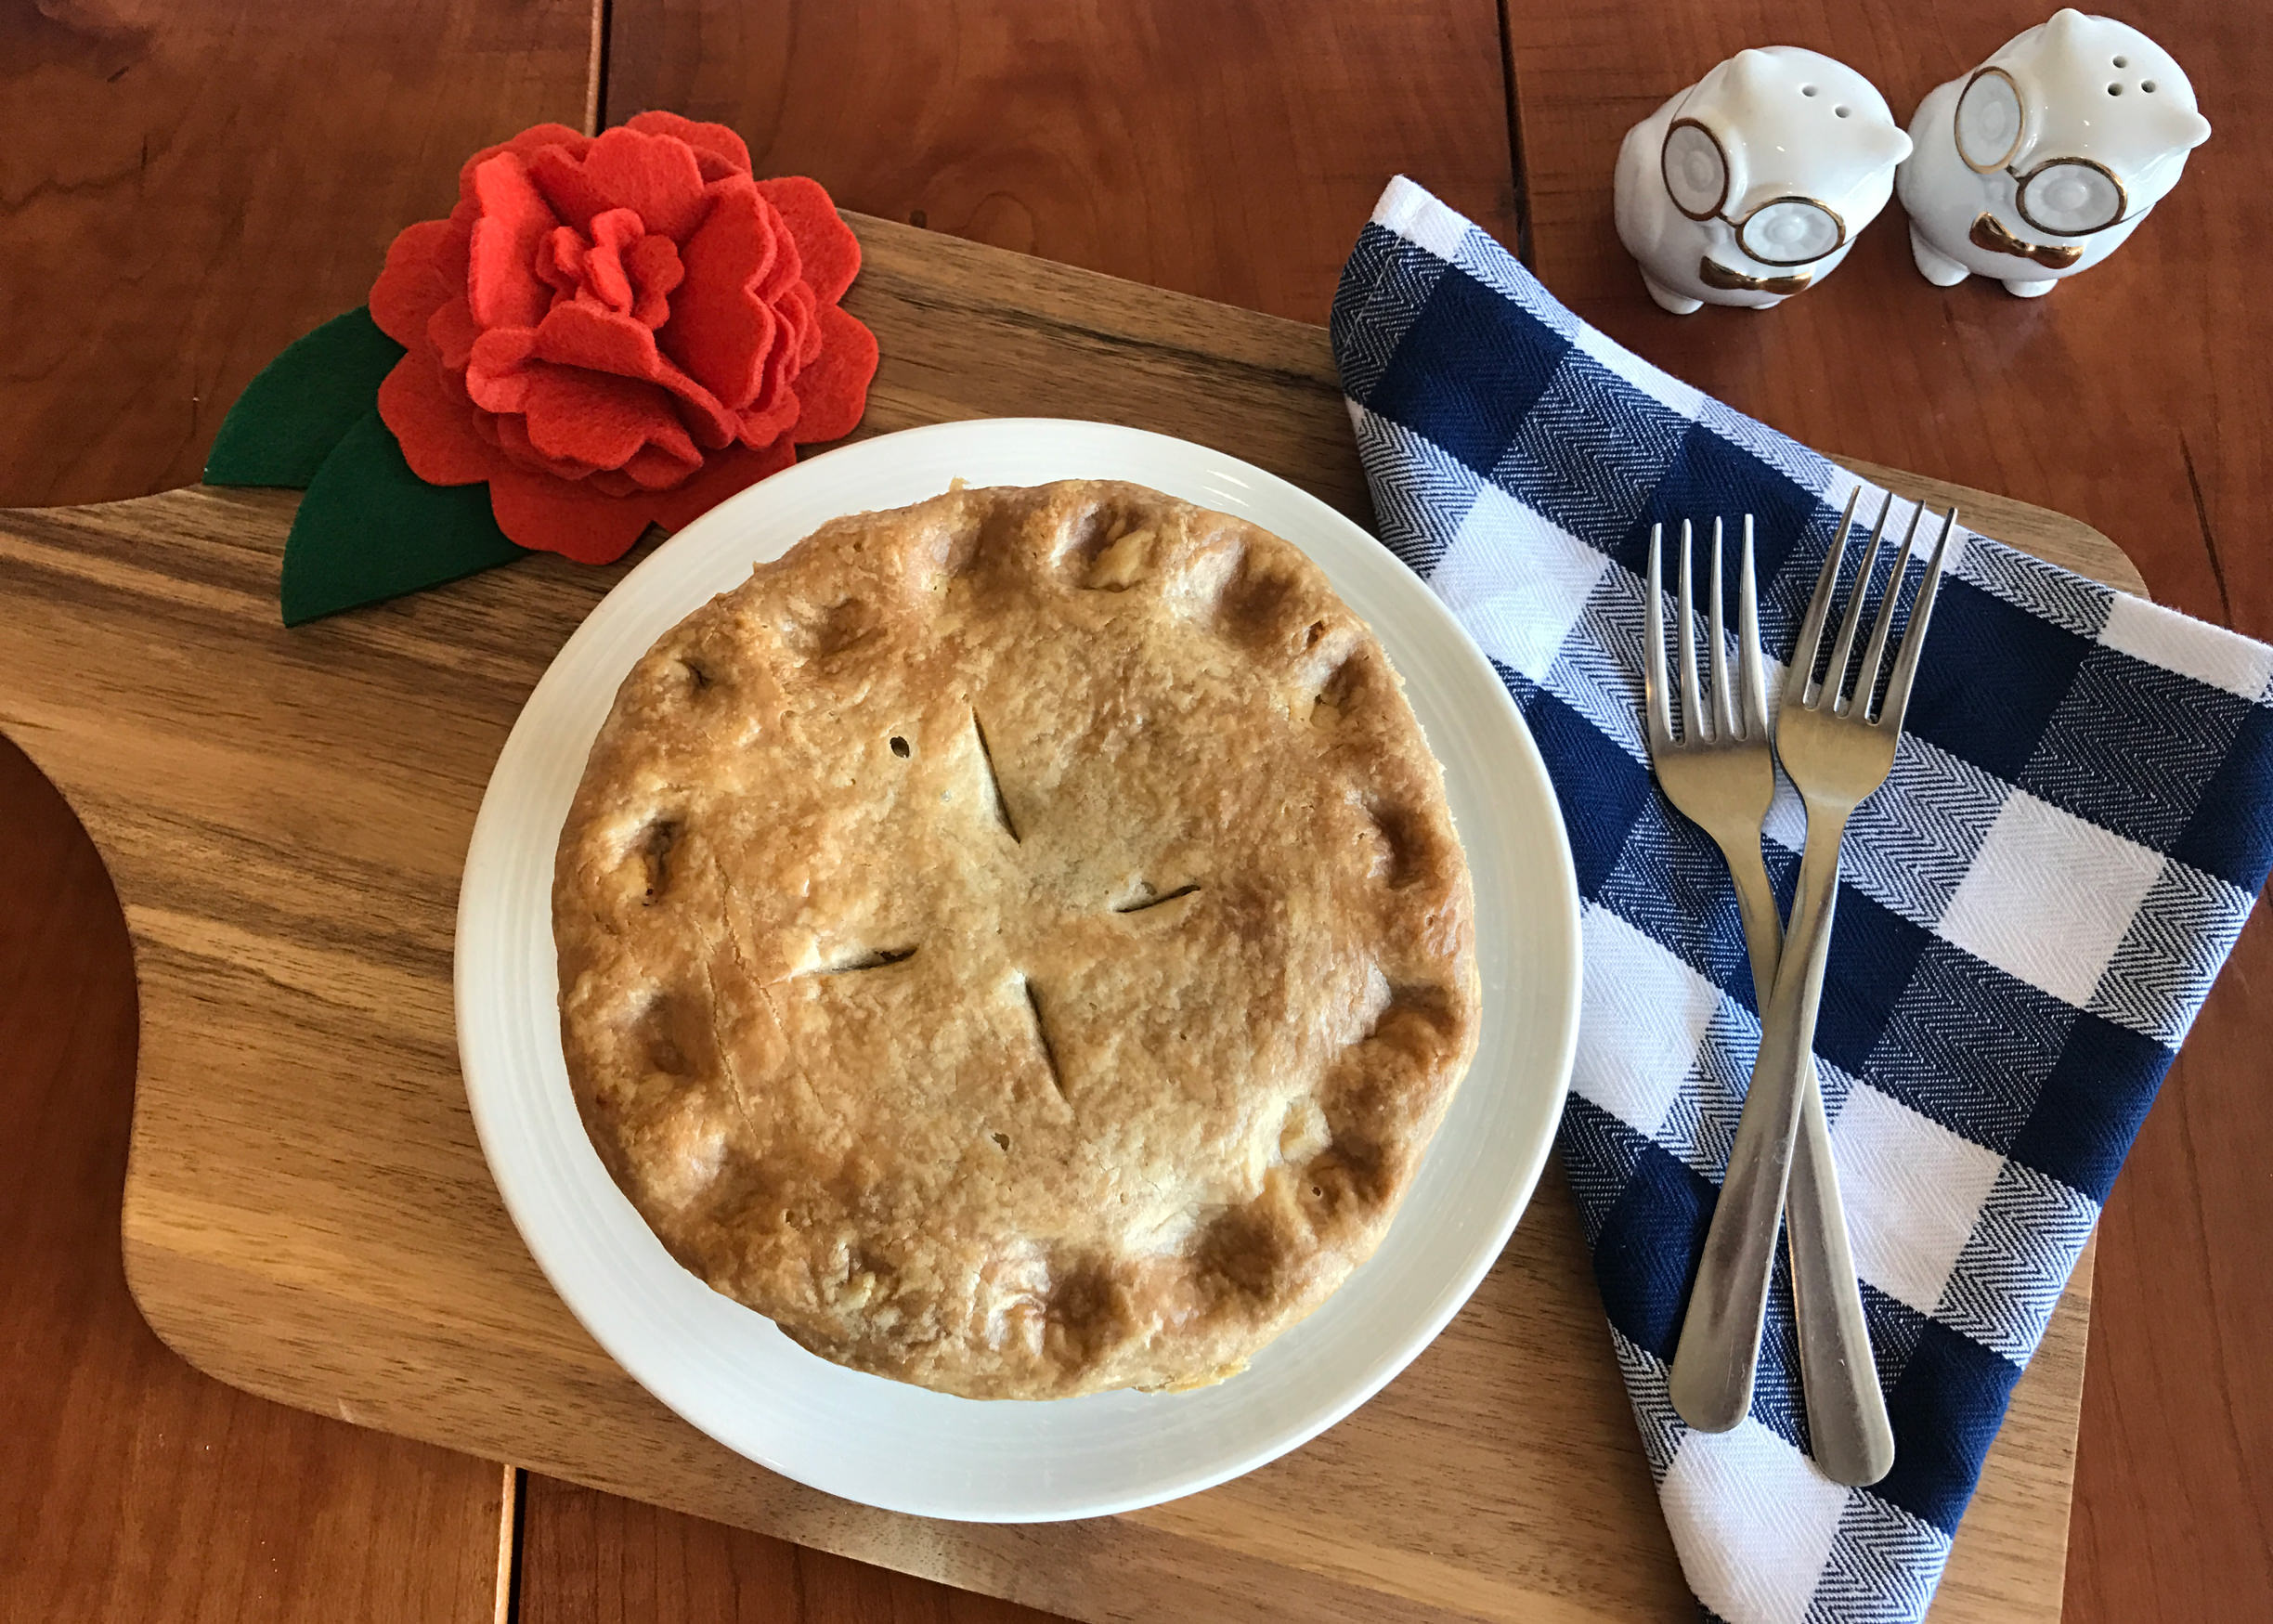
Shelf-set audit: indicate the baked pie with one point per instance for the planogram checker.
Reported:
(1017, 942)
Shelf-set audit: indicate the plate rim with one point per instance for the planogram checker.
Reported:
(1104, 439)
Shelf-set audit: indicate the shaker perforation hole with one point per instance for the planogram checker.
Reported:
(2123, 61)
(1842, 111)
(2115, 90)
(2148, 87)
(1807, 90)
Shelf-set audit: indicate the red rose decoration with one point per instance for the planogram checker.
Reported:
(619, 331)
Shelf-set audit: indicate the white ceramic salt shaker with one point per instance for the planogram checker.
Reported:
(1752, 184)
(2041, 161)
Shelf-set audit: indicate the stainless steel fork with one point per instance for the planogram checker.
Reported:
(1721, 772)
(1838, 748)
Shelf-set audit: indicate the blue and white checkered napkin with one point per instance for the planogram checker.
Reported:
(2031, 912)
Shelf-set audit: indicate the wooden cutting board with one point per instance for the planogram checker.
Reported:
(307, 1213)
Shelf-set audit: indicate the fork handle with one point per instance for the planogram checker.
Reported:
(1847, 1428)
(1713, 1365)
(1851, 1438)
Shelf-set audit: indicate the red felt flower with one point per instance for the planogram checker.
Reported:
(619, 331)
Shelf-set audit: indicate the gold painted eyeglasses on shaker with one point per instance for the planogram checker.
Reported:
(1785, 231)
(2067, 197)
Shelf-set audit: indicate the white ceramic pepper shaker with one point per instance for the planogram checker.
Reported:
(1752, 184)
(2043, 160)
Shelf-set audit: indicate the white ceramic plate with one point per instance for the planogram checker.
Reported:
(726, 1369)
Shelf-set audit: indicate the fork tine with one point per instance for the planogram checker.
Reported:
(1692, 698)
(1834, 674)
(1723, 702)
(1914, 636)
(1802, 672)
(1654, 651)
(1866, 679)
(1751, 671)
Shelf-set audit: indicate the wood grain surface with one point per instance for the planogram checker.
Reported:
(184, 189)
(2135, 397)
(182, 192)
(1230, 149)
(135, 1488)
(589, 1557)
(308, 1216)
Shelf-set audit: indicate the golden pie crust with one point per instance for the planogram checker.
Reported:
(1017, 942)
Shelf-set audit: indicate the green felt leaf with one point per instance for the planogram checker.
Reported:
(302, 404)
(371, 529)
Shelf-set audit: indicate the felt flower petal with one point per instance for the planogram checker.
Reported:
(774, 411)
(560, 260)
(825, 244)
(503, 285)
(495, 368)
(604, 277)
(603, 341)
(656, 177)
(656, 271)
(605, 421)
(618, 329)
(511, 430)
(433, 421)
(566, 516)
(832, 392)
(527, 145)
(720, 330)
(716, 146)
(425, 269)
(454, 333)
(560, 177)
(659, 466)
(801, 312)
(726, 472)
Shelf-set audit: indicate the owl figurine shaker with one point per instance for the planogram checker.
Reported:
(1751, 184)
(2040, 162)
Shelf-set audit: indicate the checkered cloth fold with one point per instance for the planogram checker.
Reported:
(2031, 913)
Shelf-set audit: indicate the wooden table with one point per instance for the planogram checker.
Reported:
(181, 195)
